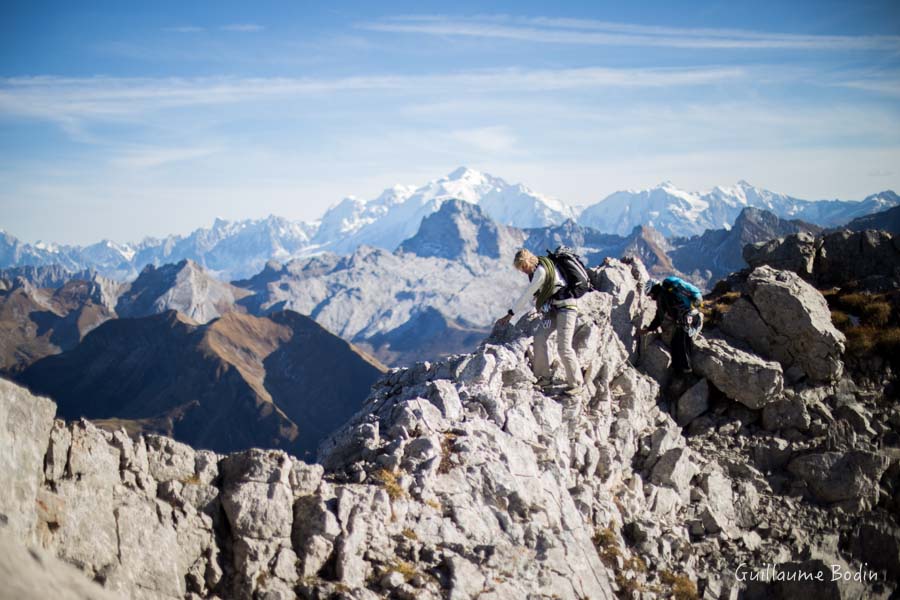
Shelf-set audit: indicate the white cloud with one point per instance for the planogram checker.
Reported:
(591, 32)
(148, 157)
(243, 27)
(67, 100)
(184, 29)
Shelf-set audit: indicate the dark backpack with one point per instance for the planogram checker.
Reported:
(686, 296)
(578, 281)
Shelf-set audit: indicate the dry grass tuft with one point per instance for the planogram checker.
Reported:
(446, 451)
(682, 587)
(840, 319)
(607, 547)
(390, 482)
(876, 314)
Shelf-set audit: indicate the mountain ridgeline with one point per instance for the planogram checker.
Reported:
(238, 250)
(435, 295)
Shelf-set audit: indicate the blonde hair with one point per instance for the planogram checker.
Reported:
(524, 258)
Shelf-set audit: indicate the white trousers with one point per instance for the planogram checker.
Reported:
(562, 321)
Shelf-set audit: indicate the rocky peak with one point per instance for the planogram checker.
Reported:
(186, 287)
(460, 476)
(460, 230)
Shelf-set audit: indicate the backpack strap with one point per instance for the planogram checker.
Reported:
(548, 288)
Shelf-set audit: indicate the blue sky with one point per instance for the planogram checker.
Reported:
(120, 120)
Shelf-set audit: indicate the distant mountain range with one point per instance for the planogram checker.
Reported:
(438, 293)
(238, 250)
(279, 381)
(281, 358)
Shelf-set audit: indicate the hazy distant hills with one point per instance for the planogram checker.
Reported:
(240, 381)
(239, 250)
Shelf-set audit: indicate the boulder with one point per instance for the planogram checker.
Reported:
(771, 454)
(869, 257)
(256, 493)
(786, 413)
(631, 308)
(744, 377)
(878, 545)
(656, 360)
(850, 477)
(675, 469)
(786, 319)
(693, 403)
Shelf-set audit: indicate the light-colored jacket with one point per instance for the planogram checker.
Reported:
(525, 303)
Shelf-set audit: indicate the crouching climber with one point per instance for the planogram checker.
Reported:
(677, 309)
(549, 293)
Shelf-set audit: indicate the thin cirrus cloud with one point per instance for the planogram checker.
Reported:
(592, 32)
(64, 99)
(149, 157)
(242, 27)
(184, 29)
(235, 27)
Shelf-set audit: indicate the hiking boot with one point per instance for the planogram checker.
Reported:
(544, 382)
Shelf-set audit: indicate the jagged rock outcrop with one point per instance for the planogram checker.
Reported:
(462, 231)
(870, 259)
(460, 479)
(782, 317)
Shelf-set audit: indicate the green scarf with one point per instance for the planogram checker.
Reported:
(547, 288)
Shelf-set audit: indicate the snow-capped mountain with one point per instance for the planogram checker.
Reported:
(352, 214)
(231, 249)
(678, 213)
(239, 249)
(507, 204)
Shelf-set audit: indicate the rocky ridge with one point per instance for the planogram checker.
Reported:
(460, 479)
(869, 259)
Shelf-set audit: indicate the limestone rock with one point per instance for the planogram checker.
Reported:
(675, 469)
(786, 413)
(841, 476)
(34, 574)
(795, 253)
(693, 403)
(26, 422)
(256, 493)
(787, 319)
(744, 377)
